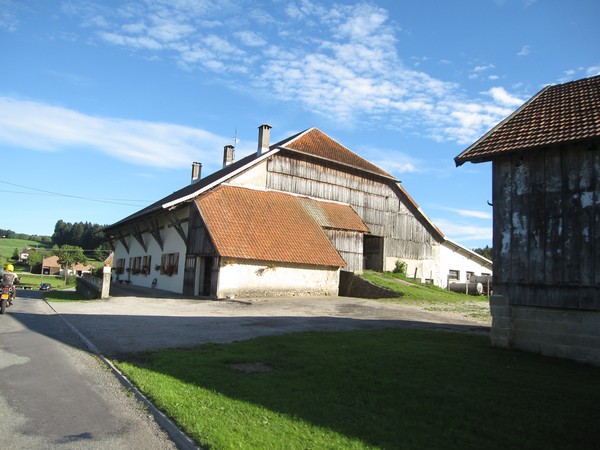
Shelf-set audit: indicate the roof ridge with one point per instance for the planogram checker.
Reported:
(347, 157)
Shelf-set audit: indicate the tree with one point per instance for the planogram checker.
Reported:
(485, 252)
(35, 258)
(68, 256)
(101, 252)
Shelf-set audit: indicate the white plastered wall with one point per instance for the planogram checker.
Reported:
(243, 278)
(172, 243)
(445, 258)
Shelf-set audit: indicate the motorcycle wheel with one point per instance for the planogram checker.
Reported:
(2, 305)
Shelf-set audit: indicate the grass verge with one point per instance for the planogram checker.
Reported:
(64, 296)
(371, 389)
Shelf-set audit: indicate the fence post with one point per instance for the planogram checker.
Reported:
(106, 277)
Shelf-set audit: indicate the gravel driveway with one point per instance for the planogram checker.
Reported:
(136, 319)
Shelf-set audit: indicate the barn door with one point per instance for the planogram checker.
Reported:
(206, 276)
(189, 275)
(373, 253)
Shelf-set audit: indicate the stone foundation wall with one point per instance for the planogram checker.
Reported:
(92, 288)
(563, 333)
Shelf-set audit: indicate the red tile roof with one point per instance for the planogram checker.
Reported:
(316, 143)
(335, 216)
(557, 114)
(273, 226)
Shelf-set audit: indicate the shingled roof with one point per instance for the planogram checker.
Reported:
(274, 226)
(316, 143)
(311, 142)
(561, 113)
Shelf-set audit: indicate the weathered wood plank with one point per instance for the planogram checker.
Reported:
(537, 220)
(571, 213)
(501, 194)
(552, 207)
(520, 193)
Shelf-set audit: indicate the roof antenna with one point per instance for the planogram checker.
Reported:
(235, 138)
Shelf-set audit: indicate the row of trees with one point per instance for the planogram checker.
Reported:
(82, 234)
(10, 234)
(72, 243)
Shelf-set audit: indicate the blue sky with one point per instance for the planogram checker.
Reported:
(104, 105)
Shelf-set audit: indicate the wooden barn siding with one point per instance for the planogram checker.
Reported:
(547, 227)
(199, 242)
(349, 244)
(375, 202)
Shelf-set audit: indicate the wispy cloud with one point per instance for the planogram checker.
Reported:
(8, 15)
(525, 50)
(502, 97)
(339, 60)
(476, 214)
(38, 126)
(477, 71)
(464, 232)
(572, 74)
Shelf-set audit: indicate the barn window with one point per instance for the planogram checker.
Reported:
(469, 275)
(135, 265)
(169, 263)
(120, 266)
(146, 264)
(453, 274)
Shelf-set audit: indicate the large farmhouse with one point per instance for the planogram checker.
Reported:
(285, 220)
(546, 197)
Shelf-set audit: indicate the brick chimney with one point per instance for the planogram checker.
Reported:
(228, 155)
(196, 168)
(264, 136)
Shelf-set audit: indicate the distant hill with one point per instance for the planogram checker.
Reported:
(7, 246)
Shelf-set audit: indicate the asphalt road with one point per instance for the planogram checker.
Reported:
(136, 319)
(54, 394)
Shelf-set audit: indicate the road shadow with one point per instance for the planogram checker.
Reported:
(123, 334)
(128, 290)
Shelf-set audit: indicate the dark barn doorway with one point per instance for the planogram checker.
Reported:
(373, 253)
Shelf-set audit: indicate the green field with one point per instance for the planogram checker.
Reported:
(8, 246)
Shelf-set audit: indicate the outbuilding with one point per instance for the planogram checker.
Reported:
(546, 201)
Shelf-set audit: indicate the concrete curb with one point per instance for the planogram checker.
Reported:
(181, 440)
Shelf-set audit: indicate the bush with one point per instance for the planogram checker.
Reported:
(400, 267)
(71, 280)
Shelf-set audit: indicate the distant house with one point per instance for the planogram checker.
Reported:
(50, 266)
(79, 269)
(546, 197)
(24, 256)
(285, 220)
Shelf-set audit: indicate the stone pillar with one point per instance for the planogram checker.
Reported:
(106, 278)
(501, 332)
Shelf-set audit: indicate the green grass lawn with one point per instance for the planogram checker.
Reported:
(391, 389)
(430, 297)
